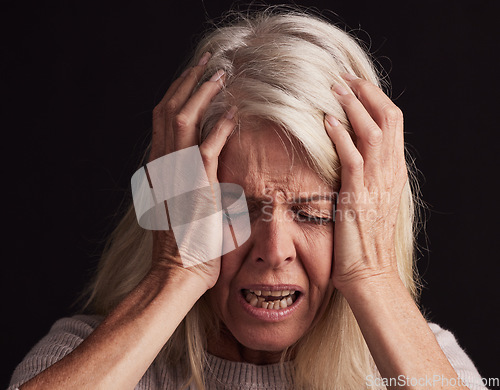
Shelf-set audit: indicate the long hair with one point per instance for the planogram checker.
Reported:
(280, 65)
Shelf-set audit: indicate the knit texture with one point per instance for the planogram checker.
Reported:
(67, 333)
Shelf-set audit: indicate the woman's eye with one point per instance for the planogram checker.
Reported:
(305, 217)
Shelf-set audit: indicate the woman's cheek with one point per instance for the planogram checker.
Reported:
(318, 248)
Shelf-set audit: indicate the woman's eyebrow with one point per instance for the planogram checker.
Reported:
(258, 199)
(302, 198)
(315, 197)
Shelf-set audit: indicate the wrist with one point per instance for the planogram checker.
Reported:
(370, 285)
(177, 278)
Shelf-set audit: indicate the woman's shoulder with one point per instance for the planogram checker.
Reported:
(63, 337)
(67, 333)
(457, 356)
(449, 344)
(81, 325)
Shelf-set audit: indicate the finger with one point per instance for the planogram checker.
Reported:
(399, 143)
(375, 101)
(351, 160)
(180, 96)
(173, 87)
(162, 138)
(369, 136)
(381, 108)
(186, 122)
(197, 71)
(211, 148)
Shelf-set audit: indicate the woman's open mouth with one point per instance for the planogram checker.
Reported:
(271, 300)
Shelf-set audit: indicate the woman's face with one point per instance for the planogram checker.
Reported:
(288, 250)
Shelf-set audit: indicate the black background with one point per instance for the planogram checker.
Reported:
(80, 81)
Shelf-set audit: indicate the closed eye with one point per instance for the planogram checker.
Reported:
(302, 216)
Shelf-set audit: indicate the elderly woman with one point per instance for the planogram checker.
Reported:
(321, 292)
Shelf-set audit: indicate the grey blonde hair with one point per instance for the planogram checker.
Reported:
(280, 66)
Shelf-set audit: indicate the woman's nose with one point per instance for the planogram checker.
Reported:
(273, 242)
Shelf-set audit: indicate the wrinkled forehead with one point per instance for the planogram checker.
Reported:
(263, 160)
(263, 141)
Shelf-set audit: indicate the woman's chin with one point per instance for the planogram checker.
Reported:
(269, 340)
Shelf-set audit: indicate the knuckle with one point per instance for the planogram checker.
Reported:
(205, 88)
(349, 99)
(195, 72)
(207, 154)
(354, 164)
(209, 88)
(181, 121)
(392, 114)
(374, 137)
(363, 85)
(171, 107)
(159, 110)
(192, 72)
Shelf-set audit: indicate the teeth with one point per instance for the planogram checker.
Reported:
(257, 299)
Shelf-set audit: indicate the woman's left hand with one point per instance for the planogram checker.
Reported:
(373, 177)
(365, 270)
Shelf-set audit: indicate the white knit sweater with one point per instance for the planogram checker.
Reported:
(67, 333)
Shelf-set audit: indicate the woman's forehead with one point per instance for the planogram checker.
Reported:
(262, 142)
(264, 161)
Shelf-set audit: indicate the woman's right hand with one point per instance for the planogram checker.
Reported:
(124, 345)
(176, 121)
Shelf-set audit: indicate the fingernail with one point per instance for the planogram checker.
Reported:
(217, 75)
(204, 58)
(332, 120)
(349, 76)
(185, 72)
(340, 89)
(231, 112)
